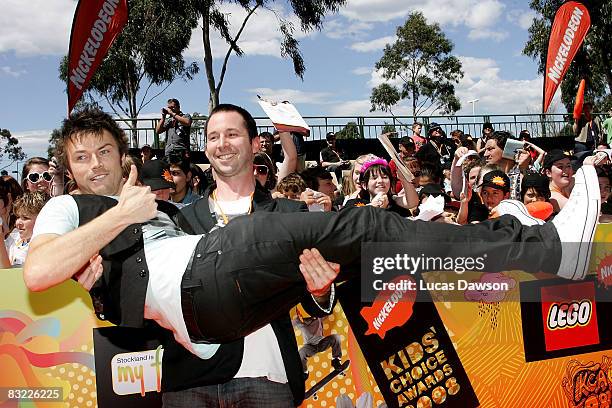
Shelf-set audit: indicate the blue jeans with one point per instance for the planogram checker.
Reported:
(236, 393)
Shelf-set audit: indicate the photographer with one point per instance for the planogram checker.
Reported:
(177, 126)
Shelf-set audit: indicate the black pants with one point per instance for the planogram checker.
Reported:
(245, 275)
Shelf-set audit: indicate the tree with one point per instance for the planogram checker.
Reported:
(421, 60)
(195, 136)
(389, 128)
(310, 14)
(593, 61)
(53, 138)
(350, 131)
(11, 147)
(146, 57)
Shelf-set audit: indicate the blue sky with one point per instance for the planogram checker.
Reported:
(488, 36)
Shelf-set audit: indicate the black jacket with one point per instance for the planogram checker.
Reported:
(119, 295)
(182, 369)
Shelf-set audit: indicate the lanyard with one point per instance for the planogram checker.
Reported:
(224, 217)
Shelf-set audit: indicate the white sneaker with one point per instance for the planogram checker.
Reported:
(576, 224)
(518, 210)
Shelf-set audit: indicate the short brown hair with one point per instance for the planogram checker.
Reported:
(88, 120)
(291, 182)
(30, 203)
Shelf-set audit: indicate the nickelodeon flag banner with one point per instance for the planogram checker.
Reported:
(572, 21)
(95, 26)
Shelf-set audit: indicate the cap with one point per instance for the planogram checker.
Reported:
(156, 174)
(434, 126)
(330, 135)
(496, 179)
(534, 180)
(556, 155)
(145, 146)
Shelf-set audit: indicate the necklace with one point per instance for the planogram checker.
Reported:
(558, 190)
(224, 217)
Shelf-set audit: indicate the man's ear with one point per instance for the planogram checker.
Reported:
(507, 195)
(548, 173)
(255, 144)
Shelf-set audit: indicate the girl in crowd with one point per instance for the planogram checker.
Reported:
(263, 168)
(534, 187)
(376, 181)
(36, 176)
(15, 191)
(350, 185)
(26, 208)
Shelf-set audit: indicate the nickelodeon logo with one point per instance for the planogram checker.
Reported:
(137, 373)
(568, 315)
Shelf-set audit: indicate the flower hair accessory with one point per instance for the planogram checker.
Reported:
(167, 176)
(372, 162)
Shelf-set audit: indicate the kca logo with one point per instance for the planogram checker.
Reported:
(570, 316)
(588, 385)
(137, 373)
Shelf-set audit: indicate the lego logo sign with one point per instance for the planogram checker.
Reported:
(565, 315)
(571, 316)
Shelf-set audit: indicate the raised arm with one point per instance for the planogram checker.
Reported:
(410, 199)
(457, 172)
(160, 127)
(183, 120)
(289, 163)
(53, 258)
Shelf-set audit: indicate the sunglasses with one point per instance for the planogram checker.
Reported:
(35, 177)
(261, 169)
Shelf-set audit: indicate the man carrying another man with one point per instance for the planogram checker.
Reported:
(215, 307)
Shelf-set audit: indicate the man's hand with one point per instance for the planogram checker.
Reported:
(381, 201)
(460, 152)
(136, 204)
(598, 159)
(164, 112)
(308, 196)
(318, 273)
(91, 273)
(325, 201)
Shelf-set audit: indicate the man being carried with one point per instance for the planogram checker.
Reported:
(238, 278)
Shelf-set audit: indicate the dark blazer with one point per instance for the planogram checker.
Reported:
(183, 370)
(119, 295)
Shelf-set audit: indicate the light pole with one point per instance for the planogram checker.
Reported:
(473, 102)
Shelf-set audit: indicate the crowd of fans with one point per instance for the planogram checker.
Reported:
(435, 178)
(471, 175)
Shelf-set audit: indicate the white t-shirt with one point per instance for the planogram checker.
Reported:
(16, 248)
(262, 356)
(161, 238)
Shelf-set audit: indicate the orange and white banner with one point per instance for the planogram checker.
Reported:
(95, 26)
(572, 22)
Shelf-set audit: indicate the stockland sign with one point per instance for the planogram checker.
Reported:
(137, 373)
